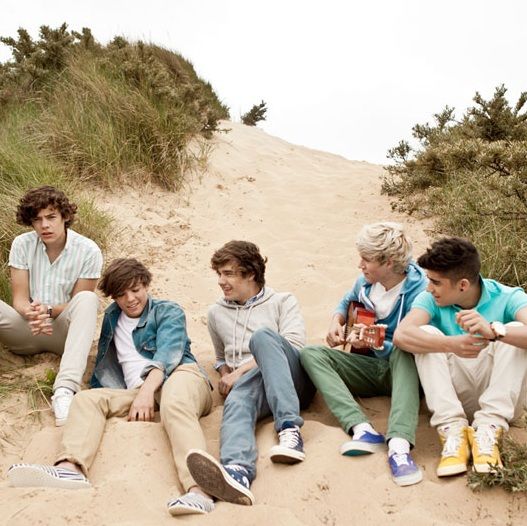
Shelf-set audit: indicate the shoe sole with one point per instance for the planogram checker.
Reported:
(355, 450)
(28, 477)
(409, 480)
(214, 480)
(282, 455)
(176, 511)
(448, 471)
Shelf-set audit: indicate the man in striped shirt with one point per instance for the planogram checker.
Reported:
(54, 272)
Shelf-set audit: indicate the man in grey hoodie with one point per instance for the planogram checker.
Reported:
(257, 334)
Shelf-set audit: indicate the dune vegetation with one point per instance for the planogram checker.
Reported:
(74, 112)
(470, 175)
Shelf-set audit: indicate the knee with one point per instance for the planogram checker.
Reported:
(88, 397)
(311, 354)
(234, 403)
(86, 297)
(260, 337)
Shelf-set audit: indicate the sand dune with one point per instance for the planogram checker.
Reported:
(304, 209)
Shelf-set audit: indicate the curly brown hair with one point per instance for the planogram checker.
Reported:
(122, 274)
(38, 199)
(246, 255)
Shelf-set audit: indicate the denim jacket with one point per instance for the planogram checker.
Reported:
(160, 336)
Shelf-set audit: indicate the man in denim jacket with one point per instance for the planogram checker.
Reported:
(143, 357)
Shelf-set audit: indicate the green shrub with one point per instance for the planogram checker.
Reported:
(255, 114)
(470, 175)
(108, 113)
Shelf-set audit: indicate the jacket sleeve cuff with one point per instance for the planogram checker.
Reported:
(388, 346)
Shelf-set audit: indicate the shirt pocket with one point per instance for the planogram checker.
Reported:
(149, 347)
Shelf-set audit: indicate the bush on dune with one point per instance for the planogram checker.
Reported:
(471, 176)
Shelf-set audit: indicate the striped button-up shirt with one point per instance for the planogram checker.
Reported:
(52, 283)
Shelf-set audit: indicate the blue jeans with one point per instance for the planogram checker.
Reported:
(278, 386)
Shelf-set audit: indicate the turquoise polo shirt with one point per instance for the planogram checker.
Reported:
(497, 303)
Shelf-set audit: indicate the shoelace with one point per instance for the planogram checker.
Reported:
(400, 459)
(289, 437)
(239, 473)
(452, 444)
(486, 439)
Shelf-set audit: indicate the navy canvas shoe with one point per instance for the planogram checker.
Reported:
(229, 483)
(290, 448)
(405, 471)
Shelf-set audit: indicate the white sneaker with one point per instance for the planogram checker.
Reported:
(60, 403)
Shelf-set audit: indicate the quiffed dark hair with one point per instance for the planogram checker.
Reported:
(38, 199)
(246, 255)
(122, 274)
(455, 257)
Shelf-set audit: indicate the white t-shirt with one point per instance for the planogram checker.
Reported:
(384, 300)
(129, 359)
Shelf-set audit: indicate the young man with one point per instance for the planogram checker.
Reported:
(387, 286)
(144, 356)
(257, 334)
(470, 353)
(54, 272)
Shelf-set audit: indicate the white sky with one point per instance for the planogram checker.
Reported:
(349, 77)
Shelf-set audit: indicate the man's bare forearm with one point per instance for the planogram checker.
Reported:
(418, 341)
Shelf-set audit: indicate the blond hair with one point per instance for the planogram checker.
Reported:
(385, 241)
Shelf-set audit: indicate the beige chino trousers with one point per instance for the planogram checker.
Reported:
(73, 332)
(489, 389)
(185, 397)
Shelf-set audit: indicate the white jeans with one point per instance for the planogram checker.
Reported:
(73, 332)
(489, 389)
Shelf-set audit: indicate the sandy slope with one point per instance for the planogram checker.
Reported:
(304, 209)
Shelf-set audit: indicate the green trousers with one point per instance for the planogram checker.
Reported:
(339, 375)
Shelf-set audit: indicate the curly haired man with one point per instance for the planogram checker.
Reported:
(54, 271)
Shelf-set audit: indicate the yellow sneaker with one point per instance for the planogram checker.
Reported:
(456, 453)
(484, 444)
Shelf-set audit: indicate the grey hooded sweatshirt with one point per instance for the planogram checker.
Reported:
(231, 325)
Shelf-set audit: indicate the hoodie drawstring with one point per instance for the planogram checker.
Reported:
(244, 332)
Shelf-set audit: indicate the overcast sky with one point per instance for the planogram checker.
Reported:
(349, 77)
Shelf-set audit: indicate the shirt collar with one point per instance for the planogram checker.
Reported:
(66, 246)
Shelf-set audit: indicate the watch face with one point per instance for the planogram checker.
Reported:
(499, 329)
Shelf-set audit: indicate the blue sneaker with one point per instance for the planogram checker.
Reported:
(405, 471)
(290, 449)
(363, 444)
(229, 483)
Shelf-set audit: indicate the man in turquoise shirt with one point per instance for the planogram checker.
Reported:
(469, 337)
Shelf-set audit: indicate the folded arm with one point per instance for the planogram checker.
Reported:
(411, 338)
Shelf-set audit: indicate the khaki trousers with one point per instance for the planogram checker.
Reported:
(185, 397)
(489, 389)
(73, 332)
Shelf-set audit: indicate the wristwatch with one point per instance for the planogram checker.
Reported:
(499, 330)
(49, 311)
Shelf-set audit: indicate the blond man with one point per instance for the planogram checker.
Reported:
(386, 288)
